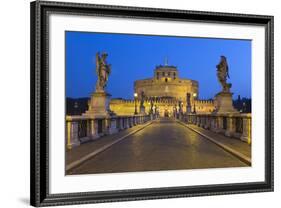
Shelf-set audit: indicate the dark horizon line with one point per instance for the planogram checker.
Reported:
(133, 98)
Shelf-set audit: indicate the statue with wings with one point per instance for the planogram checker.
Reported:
(103, 70)
(223, 74)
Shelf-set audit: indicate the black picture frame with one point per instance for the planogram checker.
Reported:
(39, 188)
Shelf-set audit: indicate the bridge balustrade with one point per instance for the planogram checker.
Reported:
(231, 125)
(80, 129)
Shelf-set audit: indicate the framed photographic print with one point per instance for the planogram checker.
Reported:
(131, 103)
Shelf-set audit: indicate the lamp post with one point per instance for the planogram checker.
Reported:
(135, 96)
(194, 98)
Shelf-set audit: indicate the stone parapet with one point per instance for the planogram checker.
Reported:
(84, 128)
(231, 125)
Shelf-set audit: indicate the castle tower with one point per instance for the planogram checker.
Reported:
(166, 83)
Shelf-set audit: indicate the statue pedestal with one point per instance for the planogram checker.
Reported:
(99, 105)
(224, 103)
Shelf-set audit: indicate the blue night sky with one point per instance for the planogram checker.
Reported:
(134, 57)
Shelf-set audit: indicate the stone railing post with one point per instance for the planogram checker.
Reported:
(193, 121)
(187, 118)
(219, 124)
(130, 121)
(71, 133)
(203, 120)
(207, 122)
(124, 122)
(106, 126)
(230, 126)
(127, 122)
(200, 120)
(246, 135)
(89, 132)
(212, 123)
(197, 120)
(113, 125)
(121, 126)
(93, 129)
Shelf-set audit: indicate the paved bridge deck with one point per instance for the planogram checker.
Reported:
(163, 145)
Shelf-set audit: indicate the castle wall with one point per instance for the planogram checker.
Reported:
(122, 107)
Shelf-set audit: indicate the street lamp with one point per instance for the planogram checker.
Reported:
(194, 97)
(135, 96)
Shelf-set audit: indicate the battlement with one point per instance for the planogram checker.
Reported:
(121, 101)
(204, 102)
(146, 101)
(161, 100)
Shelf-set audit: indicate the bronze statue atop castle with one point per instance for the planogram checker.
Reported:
(223, 74)
(103, 70)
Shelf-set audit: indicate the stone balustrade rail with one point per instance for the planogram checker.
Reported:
(231, 125)
(81, 129)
